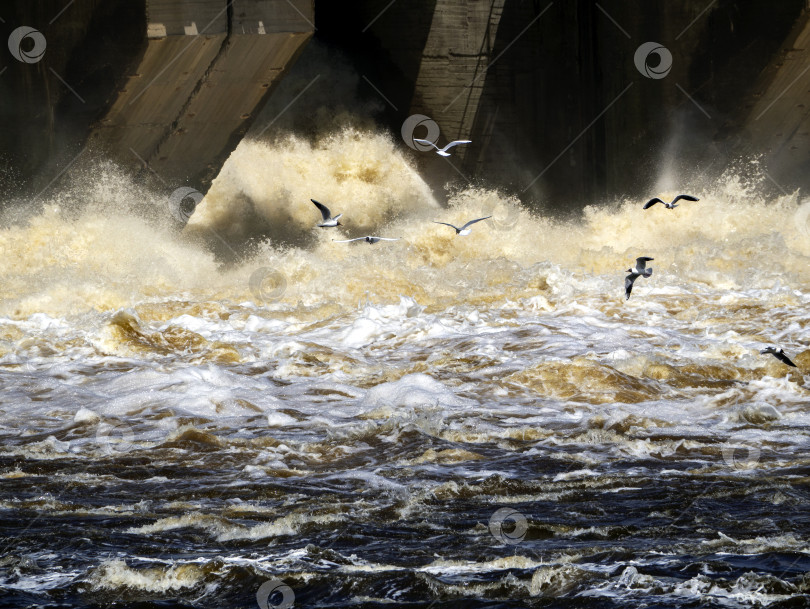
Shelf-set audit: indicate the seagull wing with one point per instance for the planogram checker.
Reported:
(456, 143)
(474, 221)
(685, 198)
(628, 285)
(428, 142)
(641, 263)
(446, 224)
(780, 355)
(385, 239)
(652, 202)
(348, 240)
(327, 215)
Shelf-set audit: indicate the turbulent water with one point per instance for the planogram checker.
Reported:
(249, 414)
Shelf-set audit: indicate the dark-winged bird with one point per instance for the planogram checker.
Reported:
(463, 230)
(640, 270)
(672, 204)
(328, 220)
(780, 355)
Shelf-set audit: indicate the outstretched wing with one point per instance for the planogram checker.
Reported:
(456, 143)
(385, 239)
(474, 221)
(348, 240)
(628, 285)
(780, 355)
(641, 263)
(446, 224)
(685, 198)
(327, 215)
(428, 142)
(652, 202)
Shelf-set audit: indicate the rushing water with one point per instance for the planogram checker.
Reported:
(197, 419)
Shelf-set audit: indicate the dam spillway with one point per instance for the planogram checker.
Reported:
(162, 88)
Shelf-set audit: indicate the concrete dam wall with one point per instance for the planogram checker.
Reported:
(560, 108)
(560, 111)
(165, 88)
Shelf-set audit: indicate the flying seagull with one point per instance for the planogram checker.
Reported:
(463, 230)
(328, 220)
(368, 239)
(672, 204)
(780, 355)
(641, 270)
(443, 151)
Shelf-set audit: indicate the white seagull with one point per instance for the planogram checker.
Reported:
(368, 239)
(463, 230)
(328, 220)
(779, 354)
(672, 204)
(641, 270)
(443, 151)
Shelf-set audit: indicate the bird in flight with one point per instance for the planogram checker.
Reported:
(463, 230)
(368, 239)
(443, 151)
(328, 220)
(641, 270)
(780, 355)
(672, 204)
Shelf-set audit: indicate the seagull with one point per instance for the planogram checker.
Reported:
(368, 239)
(443, 151)
(328, 220)
(780, 355)
(641, 270)
(672, 204)
(463, 230)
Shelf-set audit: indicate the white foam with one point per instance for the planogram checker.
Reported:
(413, 391)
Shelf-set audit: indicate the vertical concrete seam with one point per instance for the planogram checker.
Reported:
(226, 43)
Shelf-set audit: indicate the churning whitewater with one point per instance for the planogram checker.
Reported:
(435, 421)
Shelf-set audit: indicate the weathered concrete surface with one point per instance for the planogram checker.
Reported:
(207, 67)
(177, 83)
(779, 123)
(551, 97)
(454, 61)
(548, 91)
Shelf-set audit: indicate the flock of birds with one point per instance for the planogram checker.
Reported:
(330, 221)
(640, 270)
